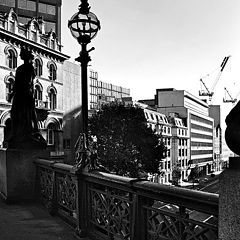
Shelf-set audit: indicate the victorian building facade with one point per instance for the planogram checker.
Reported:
(173, 132)
(48, 83)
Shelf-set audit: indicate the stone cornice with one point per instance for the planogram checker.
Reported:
(36, 47)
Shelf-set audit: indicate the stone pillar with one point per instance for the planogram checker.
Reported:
(229, 201)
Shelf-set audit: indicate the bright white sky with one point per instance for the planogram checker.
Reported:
(145, 45)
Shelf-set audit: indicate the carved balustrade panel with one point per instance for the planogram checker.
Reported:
(110, 212)
(45, 184)
(167, 221)
(66, 193)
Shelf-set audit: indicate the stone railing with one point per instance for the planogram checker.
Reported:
(106, 206)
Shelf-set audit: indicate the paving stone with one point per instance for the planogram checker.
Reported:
(32, 221)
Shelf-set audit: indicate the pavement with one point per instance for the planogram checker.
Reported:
(31, 221)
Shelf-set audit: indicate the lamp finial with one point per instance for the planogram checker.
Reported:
(84, 7)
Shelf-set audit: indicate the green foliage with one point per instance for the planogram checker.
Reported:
(125, 144)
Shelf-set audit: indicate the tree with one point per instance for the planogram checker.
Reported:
(125, 144)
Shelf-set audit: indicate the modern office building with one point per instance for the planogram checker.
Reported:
(102, 92)
(48, 10)
(195, 113)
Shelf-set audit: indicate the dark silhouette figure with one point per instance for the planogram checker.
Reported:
(232, 133)
(25, 131)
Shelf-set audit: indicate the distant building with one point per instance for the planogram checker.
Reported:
(160, 124)
(72, 105)
(200, 125)
(180, 144)
(215, 113)
(49, 10)
(102, 92)
(172, 130)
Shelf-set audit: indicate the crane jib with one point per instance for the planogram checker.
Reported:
(224, 63)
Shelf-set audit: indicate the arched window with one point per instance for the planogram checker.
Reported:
(52, 95)
(38, 67)
(11, 59)
(9, 88)
(38, 95)
(50, 134)
(52, 72)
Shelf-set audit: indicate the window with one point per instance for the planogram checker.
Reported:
(38, 67)
(53, 44)
(11, 59)
(12, 26)
(50, 134)
(169, 164)
(50, 26)
(25, 4)
(38, 95)
(9, 3)
(164, 129)
(33, 35)
(183, 163)
(52, 99)
(169, 130)
(46, 8)
(52, 72)
(9, 88)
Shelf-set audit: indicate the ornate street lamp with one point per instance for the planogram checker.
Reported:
(84, 26)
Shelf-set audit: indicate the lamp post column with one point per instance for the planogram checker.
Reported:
(84, 59)
(84, 26)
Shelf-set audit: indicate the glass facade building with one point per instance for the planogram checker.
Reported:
(49, 10)
(101, 92)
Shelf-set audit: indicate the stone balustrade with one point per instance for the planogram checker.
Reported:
(106, 206)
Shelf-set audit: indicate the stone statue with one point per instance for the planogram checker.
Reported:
(232, 133)
(25, 131)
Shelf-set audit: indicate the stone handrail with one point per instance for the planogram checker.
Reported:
(107, 206)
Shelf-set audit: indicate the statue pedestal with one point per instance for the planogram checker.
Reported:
(18, 173)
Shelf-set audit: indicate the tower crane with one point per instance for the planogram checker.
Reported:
(208, 92)
(229, 98)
